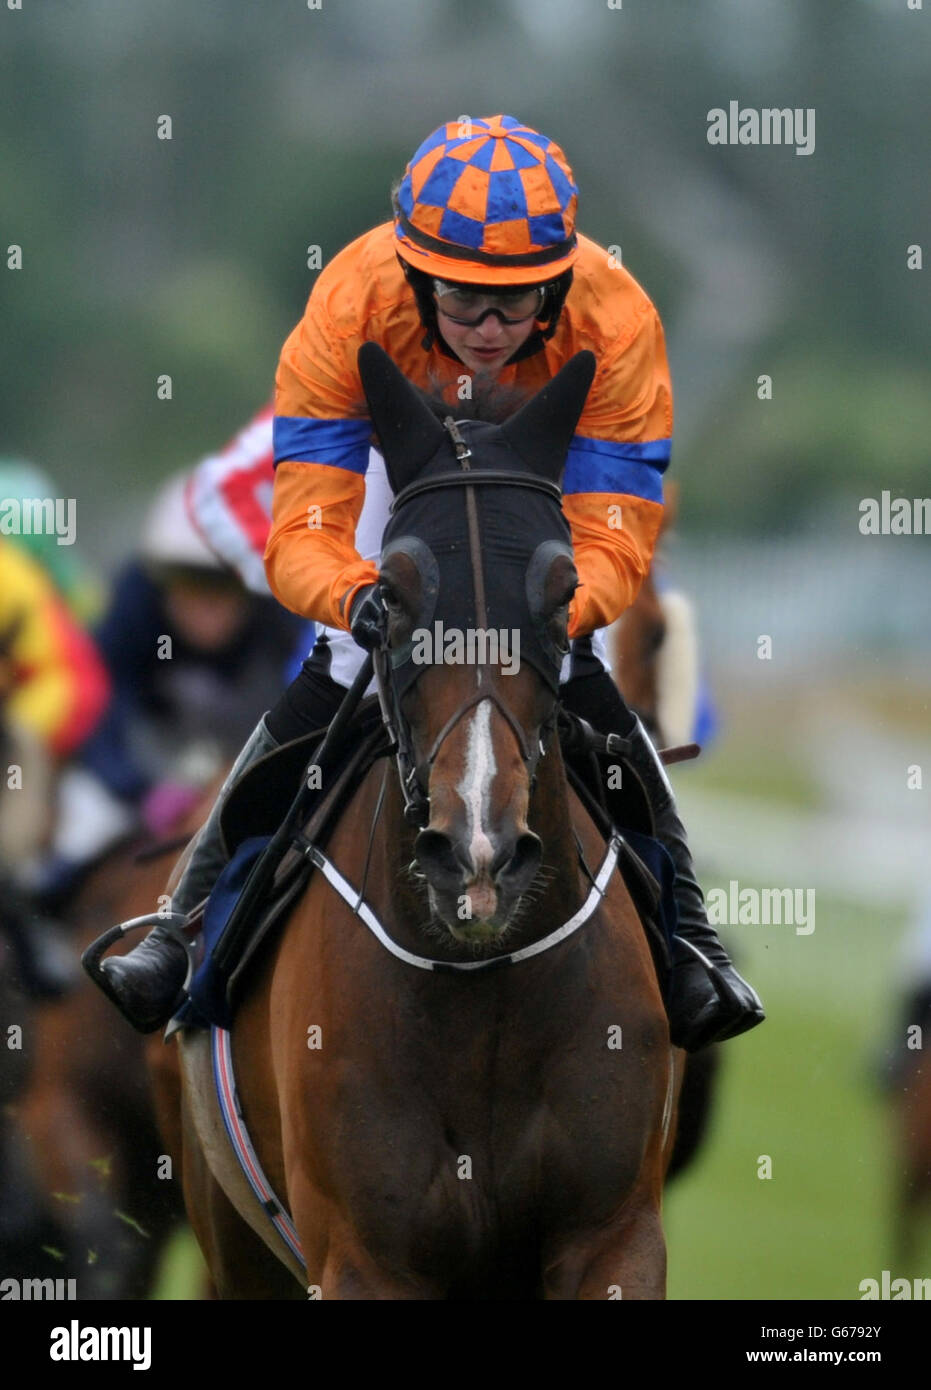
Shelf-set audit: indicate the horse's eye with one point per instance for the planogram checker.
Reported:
(654, 639)
(389, 598)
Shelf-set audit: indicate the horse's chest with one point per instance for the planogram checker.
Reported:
(495, 1123)
(457, 1180)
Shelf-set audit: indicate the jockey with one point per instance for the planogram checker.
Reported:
(28, 489)
(192, 655)
(229, 497)
(481, 272)
(53, 690)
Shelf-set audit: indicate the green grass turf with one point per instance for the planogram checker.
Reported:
(779, 776)
(801, 1089)
(183, 1274)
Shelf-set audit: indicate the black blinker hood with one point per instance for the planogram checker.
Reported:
(522, 529)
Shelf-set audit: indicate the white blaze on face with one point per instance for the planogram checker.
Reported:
(475, 786)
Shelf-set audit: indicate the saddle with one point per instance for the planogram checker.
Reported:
(253, 814)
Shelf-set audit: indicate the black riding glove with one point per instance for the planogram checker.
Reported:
(367, 618)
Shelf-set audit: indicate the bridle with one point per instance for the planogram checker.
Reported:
(415, 775)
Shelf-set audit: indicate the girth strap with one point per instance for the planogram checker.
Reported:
(242, 1145)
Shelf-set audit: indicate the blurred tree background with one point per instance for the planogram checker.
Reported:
(188, 256)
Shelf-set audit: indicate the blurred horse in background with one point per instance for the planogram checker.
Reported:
(913, 1154)
(108, 1176)
(171, 728)
(906, 1077)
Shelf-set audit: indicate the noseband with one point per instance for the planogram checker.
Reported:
(414, 776)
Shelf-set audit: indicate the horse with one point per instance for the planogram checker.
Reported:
(492, 1120)
(106, 1168)
(912, 1139)
(909, 1098)
(30, 1233)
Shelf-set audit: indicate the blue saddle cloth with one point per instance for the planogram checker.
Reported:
(206, 1003)
(659, 861)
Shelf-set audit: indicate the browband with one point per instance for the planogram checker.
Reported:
(478, 475)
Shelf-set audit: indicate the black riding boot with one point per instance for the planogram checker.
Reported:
(147, 984)
(708, 1000)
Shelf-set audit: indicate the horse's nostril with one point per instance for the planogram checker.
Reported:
(436, 854)
(518, 868)
(502, 858)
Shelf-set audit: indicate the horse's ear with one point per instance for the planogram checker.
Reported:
(542, 430)
(408, 431)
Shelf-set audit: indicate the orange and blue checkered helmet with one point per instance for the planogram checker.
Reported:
(487, 202)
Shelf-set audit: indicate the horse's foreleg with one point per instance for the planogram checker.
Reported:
(350, 1273)
(340, 1267)
(626, 1260)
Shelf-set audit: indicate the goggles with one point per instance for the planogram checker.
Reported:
(470, 307)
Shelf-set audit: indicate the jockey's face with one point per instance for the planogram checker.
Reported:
(485, 346)
(207, 617)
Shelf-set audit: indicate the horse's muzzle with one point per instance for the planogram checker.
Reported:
(476, 901)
